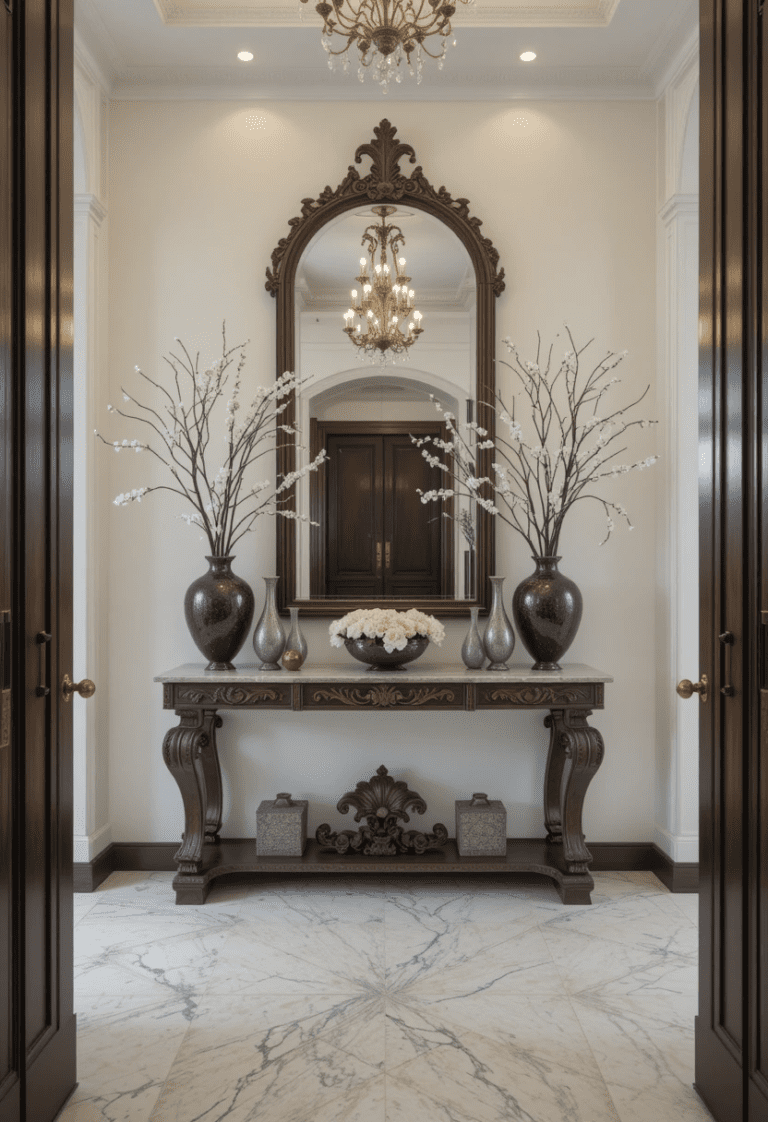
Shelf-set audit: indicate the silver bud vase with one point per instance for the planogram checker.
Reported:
(499, 638)
(296, 640)
(472, 650)
(269, 637)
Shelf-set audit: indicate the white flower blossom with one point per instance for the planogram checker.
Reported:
(393, 628)
(130, 496)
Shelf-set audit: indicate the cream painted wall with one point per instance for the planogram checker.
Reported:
(200, 193)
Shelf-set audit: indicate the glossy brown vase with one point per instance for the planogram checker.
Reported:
(219, 608)
(547, 611)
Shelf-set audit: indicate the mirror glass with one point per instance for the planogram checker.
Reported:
(375, 538)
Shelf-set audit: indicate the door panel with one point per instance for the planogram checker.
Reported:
(412, 563)
(375, 536)
(37, 1035)
(354, 535)
(731, 1041)
(10, 1086)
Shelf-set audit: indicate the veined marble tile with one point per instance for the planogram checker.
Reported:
(610, 885)
(151, 893)
(645, 1050)
(282, 1059)
(465, 945)
(154, 956)
(125, 1048)
(82, 904)
(490, 1059)
(649, 963)
(688, 903)
(299, 956)
(649, 921)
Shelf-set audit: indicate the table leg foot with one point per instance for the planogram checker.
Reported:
(577, 891)
(190, 891)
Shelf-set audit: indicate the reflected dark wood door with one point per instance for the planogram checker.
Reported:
(732, 1024)
(37, 1036)
(378, 537)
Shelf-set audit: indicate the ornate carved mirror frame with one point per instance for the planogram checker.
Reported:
(385, 183)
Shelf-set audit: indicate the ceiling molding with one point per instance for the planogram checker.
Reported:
(486, 13)
(105, 55)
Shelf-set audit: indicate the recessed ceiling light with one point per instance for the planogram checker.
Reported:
(245, 56)
(527, 56)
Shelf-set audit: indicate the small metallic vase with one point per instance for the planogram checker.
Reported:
(472, 651)
(499, 638)
(269, 637)
(296, 640)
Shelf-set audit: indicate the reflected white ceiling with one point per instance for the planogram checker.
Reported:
(187, 49)
(437, 262)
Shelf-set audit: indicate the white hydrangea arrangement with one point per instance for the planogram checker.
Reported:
(226, 500)
(547, 456)
(394, 628)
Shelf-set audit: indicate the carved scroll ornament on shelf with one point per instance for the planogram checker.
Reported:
(381, 801)
(385, 181)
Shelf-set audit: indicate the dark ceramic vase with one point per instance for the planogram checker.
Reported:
(219, 609)
(547, 612)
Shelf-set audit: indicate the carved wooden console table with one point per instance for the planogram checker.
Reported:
(575, 754)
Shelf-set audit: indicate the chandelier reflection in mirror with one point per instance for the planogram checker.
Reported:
(387, 33)
(388, 324)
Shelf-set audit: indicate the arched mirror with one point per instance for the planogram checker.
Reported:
(373, 380)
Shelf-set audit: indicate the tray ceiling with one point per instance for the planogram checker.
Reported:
(593, 49)
(485, 13)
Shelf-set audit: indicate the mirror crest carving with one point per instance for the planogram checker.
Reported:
(386, 182)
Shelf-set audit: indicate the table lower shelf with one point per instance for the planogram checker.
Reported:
(522, 856)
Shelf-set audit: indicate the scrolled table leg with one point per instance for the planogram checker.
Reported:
(209, 758)
(184, 748)
(553, 777)
(583, 750)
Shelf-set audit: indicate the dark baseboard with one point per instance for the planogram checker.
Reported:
(678, 876)
(617, 857)
(88, 875)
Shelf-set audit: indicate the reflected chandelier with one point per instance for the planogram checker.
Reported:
(386, 302)
(386, 33)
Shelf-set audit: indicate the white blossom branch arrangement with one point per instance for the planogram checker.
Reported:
(226, 501)
(564, 453)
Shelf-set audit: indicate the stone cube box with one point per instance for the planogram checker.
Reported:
(281, 827)
(481, 827)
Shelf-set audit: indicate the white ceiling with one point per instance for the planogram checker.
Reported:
(187, 49)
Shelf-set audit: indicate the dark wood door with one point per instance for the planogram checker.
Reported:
(732, 1025)
(37, 1034)
(376, 537)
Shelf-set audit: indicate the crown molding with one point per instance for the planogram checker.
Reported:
(105, 57)
(681, 64)
(490, 13)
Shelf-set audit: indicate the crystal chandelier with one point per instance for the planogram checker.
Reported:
(386, 34)
(386, 302)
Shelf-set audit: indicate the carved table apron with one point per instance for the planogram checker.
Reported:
(575, 754)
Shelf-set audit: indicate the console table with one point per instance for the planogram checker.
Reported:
(575, 754)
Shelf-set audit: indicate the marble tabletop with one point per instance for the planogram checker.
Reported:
(352, 672)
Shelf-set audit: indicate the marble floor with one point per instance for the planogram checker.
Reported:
(385, 1001)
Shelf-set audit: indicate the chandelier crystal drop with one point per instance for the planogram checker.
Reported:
(387, 34)
(387, 323)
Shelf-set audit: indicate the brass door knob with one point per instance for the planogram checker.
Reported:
(687, 688)
(86, 688)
